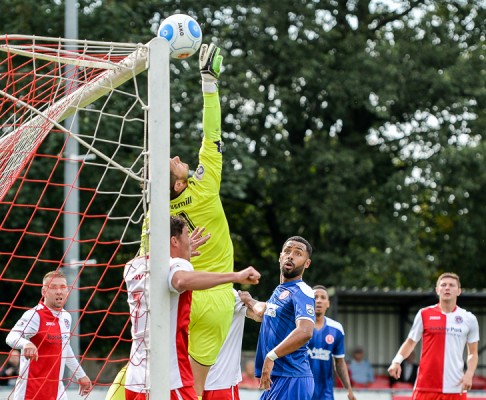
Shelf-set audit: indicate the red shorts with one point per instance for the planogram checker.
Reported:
(183, 393)
(419, 395)
(231, 393)
(129, 395)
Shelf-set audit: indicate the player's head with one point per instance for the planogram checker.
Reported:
(55, 290)
(358, 353)
(180, 243)
(300, 239)
(179, 173)
(448, 286)
(294, 258)
(322, 299)
(450, 275)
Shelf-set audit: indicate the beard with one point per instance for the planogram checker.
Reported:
(294, 273)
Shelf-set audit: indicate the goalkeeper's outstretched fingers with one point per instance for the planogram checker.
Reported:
(210, 62)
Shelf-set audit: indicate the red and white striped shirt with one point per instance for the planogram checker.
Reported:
(136, 280)
(50, 331)
(444, 338)
(180, 310)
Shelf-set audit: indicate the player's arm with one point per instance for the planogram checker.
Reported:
(405, 350)
(255, 309)
(201, 280)
(210, 165)
(343, 374)
(294, 340)
(72, 363)
(210, 62)
(19, 337)
(472, 363)
(297, 338)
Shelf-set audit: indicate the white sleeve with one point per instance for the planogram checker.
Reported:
(26, 327)
(73, 364)
(178, 264)
(417, 328)
(473, 335)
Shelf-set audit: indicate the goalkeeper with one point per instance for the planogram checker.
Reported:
(197, 199)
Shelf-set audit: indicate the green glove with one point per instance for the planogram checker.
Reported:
(210, 67)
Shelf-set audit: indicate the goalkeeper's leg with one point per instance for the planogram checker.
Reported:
(117, 388)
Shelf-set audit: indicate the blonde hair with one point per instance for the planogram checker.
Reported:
(449, 275)
(51, 275)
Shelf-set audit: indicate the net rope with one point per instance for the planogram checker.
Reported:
(43, 82)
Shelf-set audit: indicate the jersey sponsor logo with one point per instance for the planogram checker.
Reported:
(329, 339)
(434, 317)
(310, 309)
(181, 204)
(48, 323)
(271, 310)
(319, 354)
(199, 174)
(284, 295)
(55, 338)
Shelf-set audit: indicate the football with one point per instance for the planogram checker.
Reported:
(183, 34)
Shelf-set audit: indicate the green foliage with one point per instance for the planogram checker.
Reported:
(354, 125)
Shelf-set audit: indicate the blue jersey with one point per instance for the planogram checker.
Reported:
(326, 343)
(290, 302)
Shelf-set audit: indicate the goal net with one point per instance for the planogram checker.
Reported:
(76, 119)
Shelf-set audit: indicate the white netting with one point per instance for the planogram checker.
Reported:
(97, 88)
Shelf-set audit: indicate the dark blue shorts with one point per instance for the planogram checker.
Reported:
(284, 388)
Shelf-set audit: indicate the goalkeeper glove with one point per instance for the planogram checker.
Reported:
(210, 67)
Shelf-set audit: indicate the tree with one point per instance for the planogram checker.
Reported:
(354, 124)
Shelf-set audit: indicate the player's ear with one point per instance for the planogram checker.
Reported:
(307, 263)
(178, 185)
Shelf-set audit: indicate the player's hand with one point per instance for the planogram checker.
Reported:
(265, 381)
(197, 239)
(466, 382)
(351, 395)
(210, 67)
(395, 370)
(85, 386)
(30, 351)
(248, 276)
(210, 62)
(245, 297)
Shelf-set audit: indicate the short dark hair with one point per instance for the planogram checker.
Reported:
(300, 239)
(322, 287)
(177, 225)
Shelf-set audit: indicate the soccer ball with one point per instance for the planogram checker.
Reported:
(183, 34)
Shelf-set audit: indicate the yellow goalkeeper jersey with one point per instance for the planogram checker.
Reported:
(200, 204)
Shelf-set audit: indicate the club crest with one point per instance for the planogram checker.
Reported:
(284, 295)
(310, 309)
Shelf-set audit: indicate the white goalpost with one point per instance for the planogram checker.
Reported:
(120, 94)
